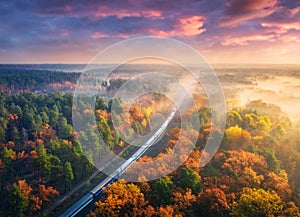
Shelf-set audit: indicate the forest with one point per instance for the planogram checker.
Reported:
(254, 173)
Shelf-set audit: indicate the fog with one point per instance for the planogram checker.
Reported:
(282, 90)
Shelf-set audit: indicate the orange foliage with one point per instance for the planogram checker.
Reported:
(167, 211)
(122, 198)
(193, 161)
(33, 154)
(47, 134)
(239, 160)
(22, 155)
(279, 183)
(213, 202)
(13, 117)
(47, 193)
(184, 202)
(25, 188)
(34, 201)
(1, 165)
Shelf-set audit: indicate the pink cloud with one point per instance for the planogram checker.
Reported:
(282, 27)
(68, 8)
(283, 21)
(237, 11)
(104, 11)
(97, 35)
(236, 6)
(245, 40)
(291, 38)
(184, 27)
(64, 32)
(189, 26)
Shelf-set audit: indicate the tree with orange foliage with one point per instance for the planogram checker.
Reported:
(184, 202)
(237, 161)
(212, 202)
(278, 183)
(34, 202)
(245, 169)
(167, 211)
(47, 134)
(47, 193)
(122, 200)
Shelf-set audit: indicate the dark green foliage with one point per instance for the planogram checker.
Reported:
(189, 179)
(17, 202)
(163, 190)
(68, 175)
(37, 144)
(16, 80)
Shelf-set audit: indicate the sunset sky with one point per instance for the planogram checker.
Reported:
(223, 31)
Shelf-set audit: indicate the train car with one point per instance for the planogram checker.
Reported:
(96, 191)
(78, 206)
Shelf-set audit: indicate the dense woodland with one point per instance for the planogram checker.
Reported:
(255, 172)
(39, 157)
(36, 81)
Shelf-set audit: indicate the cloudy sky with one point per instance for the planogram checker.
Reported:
(223, 31)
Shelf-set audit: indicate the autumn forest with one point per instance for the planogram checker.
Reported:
(43, 169)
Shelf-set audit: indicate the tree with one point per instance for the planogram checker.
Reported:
(53, 116)
(69, 176)
(7, 157)
(213, 202)
(34, 202)
(237, 138)
(189, 179)
(163, 190)
(257, 203)
(137, 127)
(272, 161)
(43, 160)
(17, 202)
(47, 134)
(106, 133)
(233, 119)
(167, 211)
(47, 193)
(64, 130)
(184, 202)
(122, 200)
(279, 183)
(237, 161)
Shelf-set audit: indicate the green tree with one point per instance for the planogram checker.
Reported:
(17, 202)
(43, 160)
(53, 116)
(69, 176)
(137, 127)
(163, 190)
(45, 118)
(7, 156)
(106, 133)
(233, 118)
(64, 130)
(272, 161)
(189, 179)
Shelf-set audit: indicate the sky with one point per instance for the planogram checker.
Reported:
(223, 31)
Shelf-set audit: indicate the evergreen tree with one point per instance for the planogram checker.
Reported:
(17, 202)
